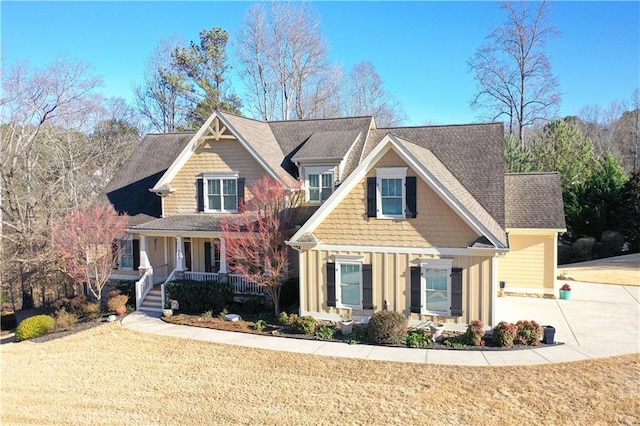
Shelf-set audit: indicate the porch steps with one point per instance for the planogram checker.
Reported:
(153, 301)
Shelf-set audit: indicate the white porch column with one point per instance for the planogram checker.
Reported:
(180, 254)
(166, 255)
(144, 258)
(223, 256)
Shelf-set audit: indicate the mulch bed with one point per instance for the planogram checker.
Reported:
(247, 326)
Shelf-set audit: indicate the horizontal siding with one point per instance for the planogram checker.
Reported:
(391, 282)
(217, 156)
(531, 262)
(437, 225)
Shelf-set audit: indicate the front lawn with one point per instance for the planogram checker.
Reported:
(110, 375)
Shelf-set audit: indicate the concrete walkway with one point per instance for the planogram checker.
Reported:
(599, 321)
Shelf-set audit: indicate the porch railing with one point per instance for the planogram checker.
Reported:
(160, 272)
(143, 285)
(239, 283)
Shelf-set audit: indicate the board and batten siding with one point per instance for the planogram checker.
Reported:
(436, 225)
(392, 282)
(530, 265)
(225, 155)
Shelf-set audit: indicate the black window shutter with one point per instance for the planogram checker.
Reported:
(207, 256)
(367, 287)
(411, 184)
(456, 292)
(200, 190)
(371, 197)
(416, 272)
(331, 284)
(135, 246)
(241, 194)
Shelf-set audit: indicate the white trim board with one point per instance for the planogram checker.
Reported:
(444, 251)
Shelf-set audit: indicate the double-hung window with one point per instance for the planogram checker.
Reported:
(221, 193)
(319, 183)
(349, 279)
(391, 192)
(436, 286)
(126, 254)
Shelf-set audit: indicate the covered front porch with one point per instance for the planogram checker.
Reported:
(189, 256)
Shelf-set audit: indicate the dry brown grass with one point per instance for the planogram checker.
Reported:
(623, 270)
(110, 375)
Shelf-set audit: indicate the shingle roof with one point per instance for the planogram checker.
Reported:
(534, 200)
(186, 222)
(128, 191)
(258, 134)
(435, 167)
(328, 144)
(472, 152)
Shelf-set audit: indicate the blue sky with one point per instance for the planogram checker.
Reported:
(419, 48)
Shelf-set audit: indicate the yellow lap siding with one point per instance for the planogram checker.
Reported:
(437, 225)
(531, 262)
(219, 156)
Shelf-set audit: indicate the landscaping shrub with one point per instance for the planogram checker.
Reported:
(65, 320)
(77, 305)
(260, 325)
(504, 334)
(326, 332)
(253, 305)
(195, 296)
(128, 287)
(357, 335)
(418, 338)
(116, 300)
(283, 319)
(529, 333)
(290, 293)
(387, 327)
(305, 325)
(474, 334)
(34, 327)
(8, 320)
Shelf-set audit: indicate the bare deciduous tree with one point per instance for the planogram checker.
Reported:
(283, 55)
(161, 98)
(255, 243)
(366, 96)
(84, 242)
(513, 71)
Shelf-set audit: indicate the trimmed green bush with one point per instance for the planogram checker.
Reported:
(418, 338)
(196, 297)
(305, 325)
(8, 320)
(387, 327)
(128, 287)
(34, 327)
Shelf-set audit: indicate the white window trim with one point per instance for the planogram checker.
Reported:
(205, 190)
(434, 264)
(390, 173)
(318, 170)
(348, 260)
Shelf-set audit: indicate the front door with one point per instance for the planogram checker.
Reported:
(187, 255)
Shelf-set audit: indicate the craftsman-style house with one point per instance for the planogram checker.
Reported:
(421, 220)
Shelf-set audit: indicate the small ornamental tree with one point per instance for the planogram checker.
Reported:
(84, 242)
(255, 241)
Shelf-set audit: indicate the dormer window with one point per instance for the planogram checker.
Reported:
(319, 183)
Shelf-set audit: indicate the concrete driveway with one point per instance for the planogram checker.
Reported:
(599, 320)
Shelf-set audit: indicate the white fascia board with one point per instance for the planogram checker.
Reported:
(535, 231)
(344, 189)
(444, 193)
(184, 156)
(430, 251)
